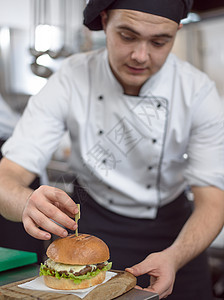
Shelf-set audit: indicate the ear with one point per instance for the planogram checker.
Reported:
(180, 26)
(104, 19)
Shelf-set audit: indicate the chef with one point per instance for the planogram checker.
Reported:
(145, 128)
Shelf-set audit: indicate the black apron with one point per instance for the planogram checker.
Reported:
(130, 240)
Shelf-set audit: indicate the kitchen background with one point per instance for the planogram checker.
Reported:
(36, 35)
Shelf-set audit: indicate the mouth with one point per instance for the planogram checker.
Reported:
(136, 70)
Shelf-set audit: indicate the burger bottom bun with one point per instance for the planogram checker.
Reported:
(68, 284)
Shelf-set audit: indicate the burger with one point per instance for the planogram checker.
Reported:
(76, 262)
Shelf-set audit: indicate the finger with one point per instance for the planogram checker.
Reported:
(157, 286)
(52, 212)
(32, 229)
(139, 269)
(64, 210)
(160, 286)
(137, 287)
(57, 195)
(165, 294)
(52, 222)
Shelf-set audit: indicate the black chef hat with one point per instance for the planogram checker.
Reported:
(175, 10)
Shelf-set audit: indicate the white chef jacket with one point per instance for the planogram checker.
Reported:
(133, 154)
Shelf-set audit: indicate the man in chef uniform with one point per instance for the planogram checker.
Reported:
(145, 127)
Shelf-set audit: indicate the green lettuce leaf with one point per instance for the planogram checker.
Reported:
(76, 279)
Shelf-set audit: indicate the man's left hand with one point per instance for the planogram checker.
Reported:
(161, 268)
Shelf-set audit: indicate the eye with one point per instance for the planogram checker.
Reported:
(127, 37)
(158, 43)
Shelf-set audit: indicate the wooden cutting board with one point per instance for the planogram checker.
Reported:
(116, 286)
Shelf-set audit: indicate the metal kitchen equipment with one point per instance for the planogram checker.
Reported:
(51, 17)
(135, 294)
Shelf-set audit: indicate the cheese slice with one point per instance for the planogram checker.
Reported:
(64, 267)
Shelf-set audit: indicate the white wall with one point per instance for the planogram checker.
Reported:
(202, 44)
(15, 13)
(212, 50)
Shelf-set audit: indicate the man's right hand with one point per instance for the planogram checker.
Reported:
(47, 207)
(36, 209)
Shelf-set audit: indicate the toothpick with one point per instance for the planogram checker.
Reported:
(77, 217)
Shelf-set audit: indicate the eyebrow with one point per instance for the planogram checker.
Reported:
(162, 35)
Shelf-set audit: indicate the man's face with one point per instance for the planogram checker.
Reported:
(138, 44)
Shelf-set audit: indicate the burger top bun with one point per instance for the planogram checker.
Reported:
(83, 249)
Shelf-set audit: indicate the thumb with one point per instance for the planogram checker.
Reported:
(138, 269)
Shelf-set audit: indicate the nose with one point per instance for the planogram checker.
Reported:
(141, 53)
